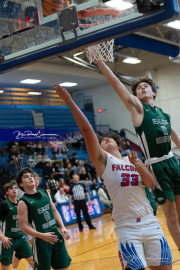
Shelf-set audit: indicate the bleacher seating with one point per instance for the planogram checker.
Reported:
(63, 118)
(16, 118)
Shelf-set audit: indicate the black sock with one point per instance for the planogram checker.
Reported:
(179, 249)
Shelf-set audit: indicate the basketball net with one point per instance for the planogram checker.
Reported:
(102, 51)
(94, 17)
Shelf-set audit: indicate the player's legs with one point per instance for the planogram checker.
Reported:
(30, 261)
(16, 262)
(156, 248)
(177, 201)
(170, 211)
(130, 247)
(4, 267)
(86, 214)
(78, 214)
(167, 175)
(60, 258)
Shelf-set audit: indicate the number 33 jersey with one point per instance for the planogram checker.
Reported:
(125, 189)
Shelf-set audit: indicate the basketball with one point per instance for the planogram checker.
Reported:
(50, 7)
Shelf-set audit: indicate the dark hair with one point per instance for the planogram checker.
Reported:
(112, 135)
(9, 185)
(143, 79)
(20, 174)
(74, 154)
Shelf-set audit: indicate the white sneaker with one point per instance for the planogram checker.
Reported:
(29, 268)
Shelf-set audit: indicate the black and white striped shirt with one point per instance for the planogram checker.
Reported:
(78, 191)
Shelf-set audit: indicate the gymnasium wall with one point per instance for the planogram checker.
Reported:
(114, 111)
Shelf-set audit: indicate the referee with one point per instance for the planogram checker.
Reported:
(79, 191)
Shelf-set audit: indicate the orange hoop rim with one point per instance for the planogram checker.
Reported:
(97, 12)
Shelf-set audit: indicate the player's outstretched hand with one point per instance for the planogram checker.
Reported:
(50, 237)
(65, 233)
(6, 242)
(62, 92)
(133, 158)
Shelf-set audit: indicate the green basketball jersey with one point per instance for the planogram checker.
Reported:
(40, 214)
(154, 134)
(10, 223)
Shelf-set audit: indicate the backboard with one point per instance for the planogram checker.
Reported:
(36, 29)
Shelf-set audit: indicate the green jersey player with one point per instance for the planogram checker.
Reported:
(37, 209)
(12, 237)
(155, 132)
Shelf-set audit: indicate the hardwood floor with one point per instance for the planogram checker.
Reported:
(97, 249)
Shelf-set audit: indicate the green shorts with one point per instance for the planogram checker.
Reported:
(46, 255)
(167, 174)
(20, 245)
(151, 200)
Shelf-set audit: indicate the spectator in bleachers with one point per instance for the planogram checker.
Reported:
(39, 161)
(74, 160)
(66, 162)
(69, 171)
(87, 165)
(61, 196)
(2, 152)
(77, 139)
(79, 167)
(52, 184)
(64, 185)
(68, 143)
(15, 160)
(10, 145)
(31, 162)
(58, 171)
(47, 170)
(30, 149)
(45, 158)
(55, 146)
(90, 168)
(102, 196)
(37, 180)
(83, 175)
(94, 185)
(54, 156)
(64, 148)
(125, 147)
(40, 149)
(22, 148)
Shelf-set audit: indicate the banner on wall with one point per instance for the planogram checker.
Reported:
(69, 216)
(32, 134)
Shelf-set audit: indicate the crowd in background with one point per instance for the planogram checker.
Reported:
(58, 173)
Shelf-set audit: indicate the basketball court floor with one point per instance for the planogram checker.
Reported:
(97, 249)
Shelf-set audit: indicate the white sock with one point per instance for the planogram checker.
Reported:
(14, 269)
(29, 267)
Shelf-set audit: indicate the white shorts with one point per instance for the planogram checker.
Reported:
(142, 243)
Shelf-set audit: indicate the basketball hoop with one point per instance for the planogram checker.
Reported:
(94, 17)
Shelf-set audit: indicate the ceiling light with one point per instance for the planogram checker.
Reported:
(68, 84)
(119, 4)
(30, 81)
(132, 60)
(1, 91)
(35, 93)
(175, 24)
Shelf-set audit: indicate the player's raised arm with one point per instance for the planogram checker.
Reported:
(144, 172)
(131, 102)
(97, 155)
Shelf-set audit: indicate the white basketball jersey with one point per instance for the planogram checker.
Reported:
(125, 189)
